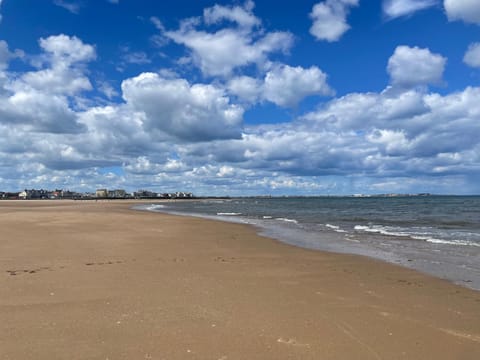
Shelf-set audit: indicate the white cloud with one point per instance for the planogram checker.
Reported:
(117, 132)
(354, 111)
(243, 16)
(136, 57)
(195, 112)
(39, 101)
(472, 56)
(39, 112)
(54, 80)
(5, 55)
(65, 57)
(397, 8)
(393, 141)
(107, 89)
(246, 88)
(287, 86)
(465, 10)
(283, 85)
(172, 134)
(67, 49)
(330, 19)
(72, 6)
(212, 51)
(412, 66)
(381, 138)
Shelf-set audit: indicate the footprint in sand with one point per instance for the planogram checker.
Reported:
(291, 342)
(27, 271)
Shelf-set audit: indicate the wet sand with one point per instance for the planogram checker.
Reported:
(86, 280)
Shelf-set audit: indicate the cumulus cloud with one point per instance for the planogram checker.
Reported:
(170, 133)
(64, 73)
(283, 85)
(472, 56)
(39, 112)
(243, 16)
(397, 8)
(330, 19)
(379, 137)
(465, 10)
(67, 49)
(246, 88)
(195, 112)
(6, 55)
(212, 51)
(117, 132)
(287, 85)
(412, 66)
(354, 110)
(39, 101)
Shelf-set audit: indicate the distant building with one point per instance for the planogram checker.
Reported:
(34, 194)
(101, 193)
(117, 194)
(9, 195)
(145, 194)
(66, 194)
(182, 195)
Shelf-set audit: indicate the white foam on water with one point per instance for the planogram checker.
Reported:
(154, 207)
(335, 228)
(416, 236)
(380, 230)
(228, 214)
(450, 242)
(287, 220)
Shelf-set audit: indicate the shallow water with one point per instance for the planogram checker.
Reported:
(439, 235)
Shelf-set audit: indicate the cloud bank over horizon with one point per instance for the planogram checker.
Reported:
(219, 105)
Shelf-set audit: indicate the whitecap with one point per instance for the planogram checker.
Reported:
(287, 220)
(335, 228)
(450, 242)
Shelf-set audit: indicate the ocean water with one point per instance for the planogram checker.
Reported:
(438, 235)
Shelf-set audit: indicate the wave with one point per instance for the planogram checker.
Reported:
(452, 242)
(287, 220)
(380, 230)
(228, 214)
(154, 207)
(415, 236)
(335, 228)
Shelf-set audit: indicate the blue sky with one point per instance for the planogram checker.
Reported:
(241, 97)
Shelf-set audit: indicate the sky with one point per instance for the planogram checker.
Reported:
(331, 97)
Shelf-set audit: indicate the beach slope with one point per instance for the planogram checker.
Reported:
(86, 280)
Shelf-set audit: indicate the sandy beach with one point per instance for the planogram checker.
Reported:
(97, 280)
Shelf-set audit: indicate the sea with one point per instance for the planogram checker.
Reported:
(437, 235)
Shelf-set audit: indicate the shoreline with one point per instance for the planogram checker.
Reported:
(99, 280)
(289, 232)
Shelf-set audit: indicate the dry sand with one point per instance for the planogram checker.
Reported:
(85, 280)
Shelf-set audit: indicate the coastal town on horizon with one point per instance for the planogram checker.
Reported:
(104, 193)
(58, 194)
